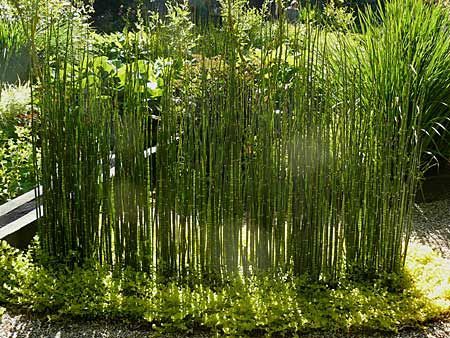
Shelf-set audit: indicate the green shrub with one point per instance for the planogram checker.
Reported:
(337, 18)
(244, 305)
(14, 107)
(16, 148)
(16, 163)
(242, 22)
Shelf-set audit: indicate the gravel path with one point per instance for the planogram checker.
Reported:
(431, 227)
(22, 326)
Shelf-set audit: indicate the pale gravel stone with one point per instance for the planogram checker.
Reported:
(20, 326)
(431, 227)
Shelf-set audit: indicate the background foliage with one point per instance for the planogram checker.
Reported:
(16, 146)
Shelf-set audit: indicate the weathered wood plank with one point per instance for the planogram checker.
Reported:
(19, 223)
(19, 201)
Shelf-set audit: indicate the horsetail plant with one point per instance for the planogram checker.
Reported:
(303, 154)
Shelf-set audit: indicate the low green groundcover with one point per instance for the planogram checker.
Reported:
(242, 305)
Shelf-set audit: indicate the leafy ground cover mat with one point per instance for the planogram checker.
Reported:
(238, 306)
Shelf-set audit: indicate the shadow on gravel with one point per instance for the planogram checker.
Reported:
(24, 326)
(432, 226)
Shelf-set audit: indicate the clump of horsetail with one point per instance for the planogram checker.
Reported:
(302, 154)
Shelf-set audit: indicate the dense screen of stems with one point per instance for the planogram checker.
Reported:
(302, 154)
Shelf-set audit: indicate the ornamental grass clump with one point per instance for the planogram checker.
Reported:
(407, 59)
(302, 155)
